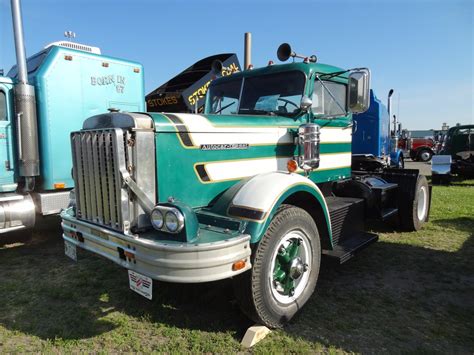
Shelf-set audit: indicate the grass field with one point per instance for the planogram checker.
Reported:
(410, 292)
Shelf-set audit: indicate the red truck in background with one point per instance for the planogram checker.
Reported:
(418, 149)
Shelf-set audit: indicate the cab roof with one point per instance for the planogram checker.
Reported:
(307, 68)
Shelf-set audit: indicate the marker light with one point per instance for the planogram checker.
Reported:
(292, 165)
(238, 265)
(157, 219)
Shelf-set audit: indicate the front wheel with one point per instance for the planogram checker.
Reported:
(425, 155)
(285, 269)
(401, 162)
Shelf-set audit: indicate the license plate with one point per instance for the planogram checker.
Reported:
(143, 285)
(70, 250)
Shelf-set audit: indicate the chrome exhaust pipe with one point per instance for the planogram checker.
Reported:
(247, 50)
(25, 107)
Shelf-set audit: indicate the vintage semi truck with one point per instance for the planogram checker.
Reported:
(418, 149)
(456, 155)
(374, 142)
(258, 188)
(42, 99)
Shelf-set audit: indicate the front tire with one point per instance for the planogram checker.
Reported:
(285, 269)
(425, 155)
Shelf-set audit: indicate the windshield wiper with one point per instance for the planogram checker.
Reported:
(223, 108)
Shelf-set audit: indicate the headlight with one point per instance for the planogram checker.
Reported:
(157, 219)
(174, 221)
(167, 219)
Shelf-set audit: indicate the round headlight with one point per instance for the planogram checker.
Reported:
(157, 219)
(174, 221)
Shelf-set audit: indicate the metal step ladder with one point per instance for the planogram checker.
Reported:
(347, 224)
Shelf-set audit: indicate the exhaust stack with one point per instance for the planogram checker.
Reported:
(25, 107)
(247, 50)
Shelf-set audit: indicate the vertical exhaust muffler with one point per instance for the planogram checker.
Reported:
(25, 107)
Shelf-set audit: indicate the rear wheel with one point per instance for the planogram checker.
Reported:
(285, 269)
(414, 210)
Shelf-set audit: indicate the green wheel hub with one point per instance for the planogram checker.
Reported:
(290, 264)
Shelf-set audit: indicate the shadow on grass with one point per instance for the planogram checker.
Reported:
(393, 297)
(47, 295)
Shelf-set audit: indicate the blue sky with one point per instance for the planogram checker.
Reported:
(421, 48)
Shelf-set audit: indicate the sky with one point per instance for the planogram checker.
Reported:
(423, 49)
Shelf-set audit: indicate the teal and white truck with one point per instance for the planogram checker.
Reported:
(42, 99)
(258, 188)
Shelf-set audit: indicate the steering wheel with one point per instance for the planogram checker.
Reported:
(287, 102)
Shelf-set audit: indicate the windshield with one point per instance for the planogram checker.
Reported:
(272, 94)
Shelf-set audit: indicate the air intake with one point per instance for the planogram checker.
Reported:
(76, 46)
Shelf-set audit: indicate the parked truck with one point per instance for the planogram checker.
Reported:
(374, 142)
(418, 149)
(456, 156)
(257, 188)
(42, 99)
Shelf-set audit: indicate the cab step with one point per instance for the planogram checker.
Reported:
(349, 246)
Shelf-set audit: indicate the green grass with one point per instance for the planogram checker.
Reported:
(410, 292)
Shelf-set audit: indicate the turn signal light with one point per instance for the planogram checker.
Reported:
(136, 70)
(59, 185)
(292, 165)
(238, 265)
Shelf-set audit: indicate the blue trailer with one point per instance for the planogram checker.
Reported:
(374, 143)
(43, 99)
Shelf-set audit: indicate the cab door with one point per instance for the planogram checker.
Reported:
(7, 174)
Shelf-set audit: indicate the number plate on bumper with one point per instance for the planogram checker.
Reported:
(143, 285)
(70, 250)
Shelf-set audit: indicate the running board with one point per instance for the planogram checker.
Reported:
(348, 247)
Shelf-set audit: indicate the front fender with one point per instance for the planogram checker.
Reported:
(257, 199)
(396, 156)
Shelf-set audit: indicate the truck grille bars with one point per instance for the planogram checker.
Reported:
(97, 157)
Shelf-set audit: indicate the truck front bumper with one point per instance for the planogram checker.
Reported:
(173, 262)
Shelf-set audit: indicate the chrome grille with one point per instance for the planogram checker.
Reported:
(97, 157)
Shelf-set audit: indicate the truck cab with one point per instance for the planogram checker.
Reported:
(7, 171)
(258, 188)
(374, 144)
(70, 81)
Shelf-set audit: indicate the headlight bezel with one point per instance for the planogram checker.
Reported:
(165, 210)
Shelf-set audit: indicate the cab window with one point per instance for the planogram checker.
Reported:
(3, 106)
(224, 97)
(324, 103)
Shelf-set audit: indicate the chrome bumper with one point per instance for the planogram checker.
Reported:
(173, 262)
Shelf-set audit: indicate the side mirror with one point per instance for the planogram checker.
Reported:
(305, 103)
(359, 91)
